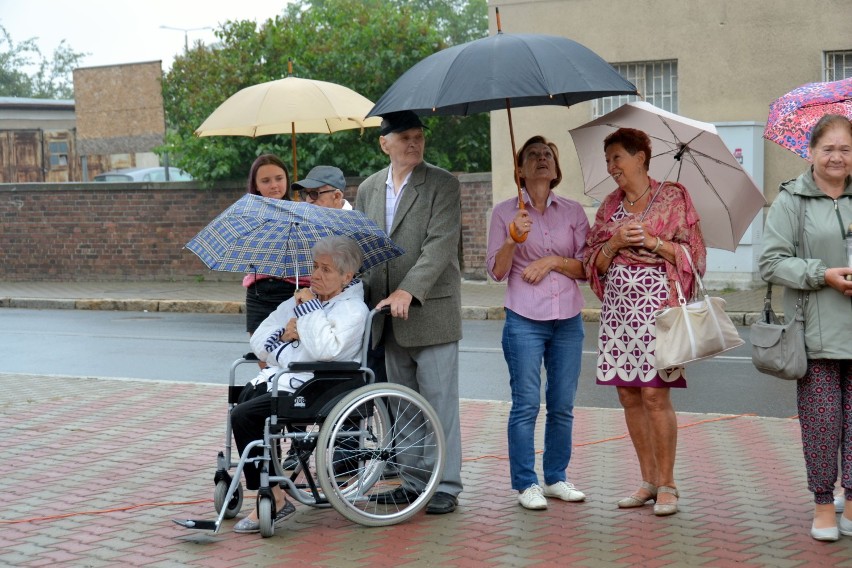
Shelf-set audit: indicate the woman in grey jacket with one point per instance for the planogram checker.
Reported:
(824, 394)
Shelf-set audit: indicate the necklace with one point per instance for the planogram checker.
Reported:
(635, 201)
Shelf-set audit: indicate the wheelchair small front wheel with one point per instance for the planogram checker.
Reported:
(264, 517)
(234, 504)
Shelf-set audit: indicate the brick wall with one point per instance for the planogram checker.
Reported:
(476, 213)
(114, 232)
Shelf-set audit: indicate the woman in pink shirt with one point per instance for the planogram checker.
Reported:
(268, 177)
(543, 322)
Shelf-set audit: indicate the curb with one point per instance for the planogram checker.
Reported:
(221, 307)
(190, 306)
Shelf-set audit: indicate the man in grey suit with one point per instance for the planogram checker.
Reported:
(418, 205)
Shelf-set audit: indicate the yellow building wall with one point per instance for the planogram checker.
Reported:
(734, 57)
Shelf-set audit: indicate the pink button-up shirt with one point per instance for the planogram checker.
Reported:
(561, 231)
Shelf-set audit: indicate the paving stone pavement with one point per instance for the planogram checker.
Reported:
(97, 468)
(124, 457)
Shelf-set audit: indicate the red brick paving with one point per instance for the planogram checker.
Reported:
(88, 448)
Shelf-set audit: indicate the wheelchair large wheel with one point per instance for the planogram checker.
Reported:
(376, 439)
(234, 504)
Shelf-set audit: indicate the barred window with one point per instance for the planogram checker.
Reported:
(838, 65)
(58, 154)
(655, 80)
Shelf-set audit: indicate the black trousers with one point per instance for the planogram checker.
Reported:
(263, 297)
(247, 420)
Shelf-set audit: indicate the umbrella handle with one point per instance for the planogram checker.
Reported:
(515, 236)
(293, 130)
(293, 142)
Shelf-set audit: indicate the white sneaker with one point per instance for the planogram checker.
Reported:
(531, 498)
(565, 491)
(839, 502)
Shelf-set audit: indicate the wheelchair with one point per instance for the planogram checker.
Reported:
(354, 439)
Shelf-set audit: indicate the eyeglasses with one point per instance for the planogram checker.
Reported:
(313, 193)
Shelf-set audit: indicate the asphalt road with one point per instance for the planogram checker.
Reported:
(201, 347)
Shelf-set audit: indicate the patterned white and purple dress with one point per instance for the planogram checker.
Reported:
(627, 335)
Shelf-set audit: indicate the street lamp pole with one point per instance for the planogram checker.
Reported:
(186, 33)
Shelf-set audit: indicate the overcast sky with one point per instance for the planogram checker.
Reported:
(121, 31)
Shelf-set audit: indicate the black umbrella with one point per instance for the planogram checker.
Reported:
(502, 71)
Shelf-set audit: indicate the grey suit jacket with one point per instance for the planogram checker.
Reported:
(427, 225)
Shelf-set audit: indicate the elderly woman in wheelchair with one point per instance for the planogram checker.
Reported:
(322, 323)
(351, 434)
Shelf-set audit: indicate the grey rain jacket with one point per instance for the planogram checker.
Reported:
(828, 315)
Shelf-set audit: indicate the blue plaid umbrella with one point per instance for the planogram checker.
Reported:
(273, 236)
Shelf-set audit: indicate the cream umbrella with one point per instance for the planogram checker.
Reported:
(292, 105)
(684, 150)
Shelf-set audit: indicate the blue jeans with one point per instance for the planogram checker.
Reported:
(559, 344)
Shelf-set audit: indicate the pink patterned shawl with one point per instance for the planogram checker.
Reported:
(671, 216)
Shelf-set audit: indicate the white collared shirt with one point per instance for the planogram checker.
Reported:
(392, 197)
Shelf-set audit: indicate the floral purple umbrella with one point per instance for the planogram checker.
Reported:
(792, 116)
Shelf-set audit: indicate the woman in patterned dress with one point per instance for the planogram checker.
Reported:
(636, 251)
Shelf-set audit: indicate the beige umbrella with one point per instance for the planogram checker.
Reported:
(290, 105)
(683, 150)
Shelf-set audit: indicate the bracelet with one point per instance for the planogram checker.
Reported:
(603, 250)
(658, 245)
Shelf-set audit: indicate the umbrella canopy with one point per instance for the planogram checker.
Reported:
(502, 71)
(274, 236)
(792, 116)
(289, 106)
(683, 150)
(480, 75)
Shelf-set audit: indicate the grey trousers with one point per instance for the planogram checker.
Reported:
(432, 371)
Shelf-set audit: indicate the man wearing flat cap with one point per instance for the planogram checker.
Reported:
(419, 206)
(323, 186)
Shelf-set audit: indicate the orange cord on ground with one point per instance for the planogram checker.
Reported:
(623, 436)
(102, 511)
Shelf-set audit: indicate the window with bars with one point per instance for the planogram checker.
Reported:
(58, 154)
(838, 65)
(655, 80)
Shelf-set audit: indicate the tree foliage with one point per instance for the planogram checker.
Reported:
(51, 78)
(362, 44)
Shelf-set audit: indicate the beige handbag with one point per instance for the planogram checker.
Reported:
(695, 330)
